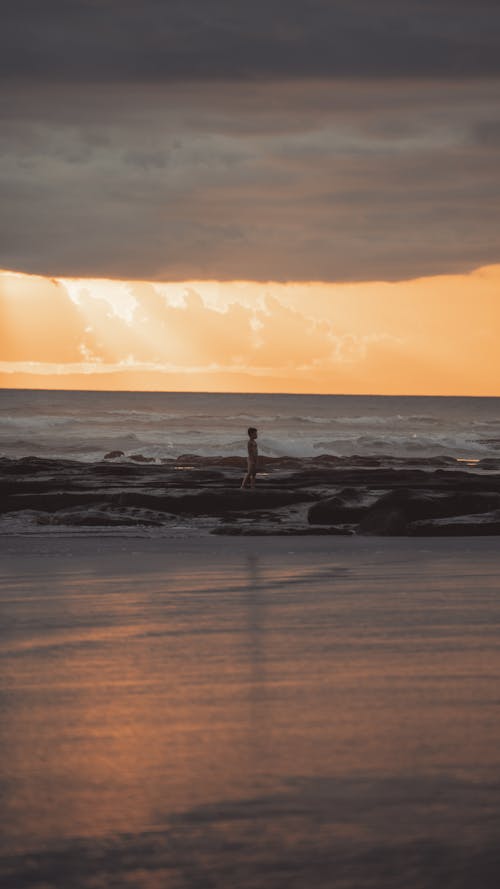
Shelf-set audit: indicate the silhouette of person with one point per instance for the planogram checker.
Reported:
(253, 453)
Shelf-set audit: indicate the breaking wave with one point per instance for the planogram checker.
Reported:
(158, 426)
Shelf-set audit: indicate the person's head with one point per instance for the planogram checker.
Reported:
(252, 432)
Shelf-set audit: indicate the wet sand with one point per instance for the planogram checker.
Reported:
(256, 712)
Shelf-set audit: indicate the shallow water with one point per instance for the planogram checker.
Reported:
(253, 713)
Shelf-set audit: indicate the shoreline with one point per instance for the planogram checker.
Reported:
(93, 546)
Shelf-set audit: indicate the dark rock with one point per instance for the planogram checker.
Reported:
(375, 497)
(483, 524)
(113, 455)
(12, 485)
(33, 465)
(346, 507)
(431, 504)
(488, 465)
(112, 470)
(384, 521)
(140, 458)
(99, 518)
(395, 512)
(228, 530)
(47, 502)
(255, 516)
(192, 478)
(215, 503)
(291, 531)
(196, 460)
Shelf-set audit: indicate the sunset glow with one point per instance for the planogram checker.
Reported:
(432, 335)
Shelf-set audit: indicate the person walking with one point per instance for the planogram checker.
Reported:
(253, 454)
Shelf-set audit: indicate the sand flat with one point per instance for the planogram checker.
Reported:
(249, 712)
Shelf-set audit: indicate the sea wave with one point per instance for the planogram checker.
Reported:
(163, 426)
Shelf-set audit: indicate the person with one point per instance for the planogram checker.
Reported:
(253, 453)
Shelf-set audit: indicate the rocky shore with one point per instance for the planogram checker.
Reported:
(325, 495)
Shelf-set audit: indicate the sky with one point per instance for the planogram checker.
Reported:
(212, 194)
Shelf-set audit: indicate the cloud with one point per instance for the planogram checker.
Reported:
(193, 139)
(310, 181)
(154, 336)
(98, 40)
(434, 335)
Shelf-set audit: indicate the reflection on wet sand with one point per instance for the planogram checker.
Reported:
(278, 714)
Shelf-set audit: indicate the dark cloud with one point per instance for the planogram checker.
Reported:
(487, 133)
(126, 40)
(311, 180)
(222, 139)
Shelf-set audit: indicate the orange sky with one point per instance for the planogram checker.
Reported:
(434, 335)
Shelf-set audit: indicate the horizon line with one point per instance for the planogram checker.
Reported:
(240, 393)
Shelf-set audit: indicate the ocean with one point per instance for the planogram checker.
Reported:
(165, 425)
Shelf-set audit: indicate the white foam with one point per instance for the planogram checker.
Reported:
(86, 425)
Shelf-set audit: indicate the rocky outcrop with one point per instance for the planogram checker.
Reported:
(347, 507)
(378, 496)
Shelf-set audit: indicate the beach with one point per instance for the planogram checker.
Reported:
(249, 445)
(253, 712)
(205, 687)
